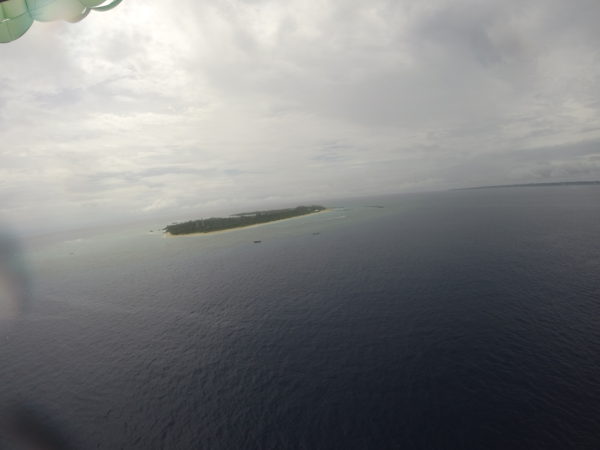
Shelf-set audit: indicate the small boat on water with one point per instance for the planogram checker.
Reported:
(257, 242)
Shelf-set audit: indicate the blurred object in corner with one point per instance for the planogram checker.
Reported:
(22, 426)
(13, 278)
(27, 427)
(17, 16)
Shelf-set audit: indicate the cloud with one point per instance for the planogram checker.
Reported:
(156, 109)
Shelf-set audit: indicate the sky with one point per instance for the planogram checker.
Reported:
(179, 109)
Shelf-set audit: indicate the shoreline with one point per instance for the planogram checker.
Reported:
(200, 233)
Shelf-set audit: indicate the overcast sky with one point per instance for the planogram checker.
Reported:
(177, 107)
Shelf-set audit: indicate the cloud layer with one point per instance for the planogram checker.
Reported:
(175, 110)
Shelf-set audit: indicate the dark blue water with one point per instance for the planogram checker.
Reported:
(459, 320)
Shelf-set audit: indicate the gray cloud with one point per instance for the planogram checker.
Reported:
(151, 110)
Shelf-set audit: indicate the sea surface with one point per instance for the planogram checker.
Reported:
(452, 320)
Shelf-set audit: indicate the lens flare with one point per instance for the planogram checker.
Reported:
(13, 279)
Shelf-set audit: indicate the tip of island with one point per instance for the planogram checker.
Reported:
(239, 220)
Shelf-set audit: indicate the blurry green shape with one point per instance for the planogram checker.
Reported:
(108, 6)
(50, 10)
(15, 20)
(16, 16)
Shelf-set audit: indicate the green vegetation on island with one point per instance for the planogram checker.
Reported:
(239, 220)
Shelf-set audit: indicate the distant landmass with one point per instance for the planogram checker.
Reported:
(563, 183)
(239, 220)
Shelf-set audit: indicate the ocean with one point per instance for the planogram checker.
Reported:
(449, 320)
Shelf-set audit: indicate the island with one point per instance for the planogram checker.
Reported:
(239, 220)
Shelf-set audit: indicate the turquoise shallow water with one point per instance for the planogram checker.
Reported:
(446, 320)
